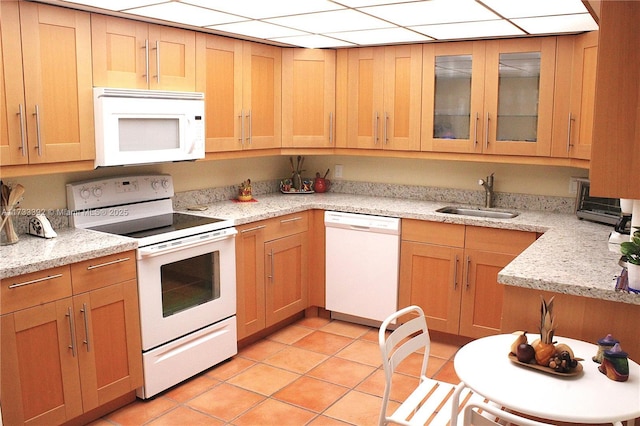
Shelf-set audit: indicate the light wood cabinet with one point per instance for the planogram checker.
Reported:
(272, 259)
(46, 71)
(451, 271)
(574, 96)
(384, 97)
(491, 97)
(243, 93)
(308, 98)
(615, 153)
(137, 55)
(70, 340)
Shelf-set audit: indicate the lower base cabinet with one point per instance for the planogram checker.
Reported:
(451, 270)
(70, 340)
(271, 271)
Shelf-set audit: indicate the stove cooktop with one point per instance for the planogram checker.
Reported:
(156, 225)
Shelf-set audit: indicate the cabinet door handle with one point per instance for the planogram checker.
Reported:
(38, 134)
(241, 117)
(72, 332)
(270, 276)
(22, 138)
(85, 314)
(455, 273)
(293, 219)
(375, 128)
(250, 137)
(331, 128)
(468, 271)
(146, 61)
(569, 144)
(255, 228)
(157, 49)
(486, 132)
(475, 131)
(37, 280)
(386, 125)
(100, 265)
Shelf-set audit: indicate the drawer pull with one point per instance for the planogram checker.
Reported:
(293, 219)
(100, 265)
(38, 280)
(255, 228)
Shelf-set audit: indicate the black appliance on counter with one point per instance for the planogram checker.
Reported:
(597, 209)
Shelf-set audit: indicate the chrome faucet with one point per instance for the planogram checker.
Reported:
(488, 190)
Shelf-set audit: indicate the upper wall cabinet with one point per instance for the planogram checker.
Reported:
(574, 97)
(493, 97)
(46, 101)
(243, 93)
(383, 97)
(308, 98)
(615, 155)
(453, 97)
(137, 55)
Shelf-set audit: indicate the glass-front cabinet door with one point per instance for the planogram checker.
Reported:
(453, 89)
(519, 86)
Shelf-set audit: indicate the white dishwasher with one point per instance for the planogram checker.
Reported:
(362, 265)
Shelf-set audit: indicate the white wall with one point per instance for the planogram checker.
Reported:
(48, 191)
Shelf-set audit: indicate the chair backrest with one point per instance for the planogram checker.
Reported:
(404, 340)
(481, 414)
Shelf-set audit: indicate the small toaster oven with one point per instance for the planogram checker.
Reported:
(597, 209)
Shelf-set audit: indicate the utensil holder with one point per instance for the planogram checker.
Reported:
(10, 235)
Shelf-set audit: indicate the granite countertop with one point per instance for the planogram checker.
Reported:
(572, 256)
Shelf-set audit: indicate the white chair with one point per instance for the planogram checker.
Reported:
(433, 401)
(481, 414)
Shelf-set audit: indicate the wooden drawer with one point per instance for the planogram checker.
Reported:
(286, 225)
(25, 291)
(444, 234)
(498, 240)
(103, 271)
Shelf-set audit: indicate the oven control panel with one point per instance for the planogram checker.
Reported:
(115, 191)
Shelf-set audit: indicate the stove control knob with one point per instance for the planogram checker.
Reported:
(85, 193)
(165, 183)
(97, 192)
(155, 185)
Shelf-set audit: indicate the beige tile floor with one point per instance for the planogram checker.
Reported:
(313, 372)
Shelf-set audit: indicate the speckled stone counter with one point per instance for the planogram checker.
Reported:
(571, 257)
(32, 254)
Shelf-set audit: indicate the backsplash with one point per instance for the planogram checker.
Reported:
(504, 200)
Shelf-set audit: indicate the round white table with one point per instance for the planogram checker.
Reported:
(589, 397)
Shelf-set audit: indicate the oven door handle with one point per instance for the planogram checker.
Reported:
(185, 243)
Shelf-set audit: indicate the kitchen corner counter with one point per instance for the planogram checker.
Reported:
(571, 257)
(32, 254)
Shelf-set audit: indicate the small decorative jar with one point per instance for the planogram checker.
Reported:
(604, 344)
(615, 364)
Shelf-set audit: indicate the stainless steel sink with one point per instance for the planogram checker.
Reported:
(477, 212)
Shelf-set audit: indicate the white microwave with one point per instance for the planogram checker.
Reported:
(147, 126)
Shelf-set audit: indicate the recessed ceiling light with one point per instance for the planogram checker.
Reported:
(381, 36)
(557, 24)
(267, 9)
(432, 12)
(314, 41)
(331, 22)
(522, 9)
(185, 14)
(469, 30)
(258, 29)
(114, 4)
